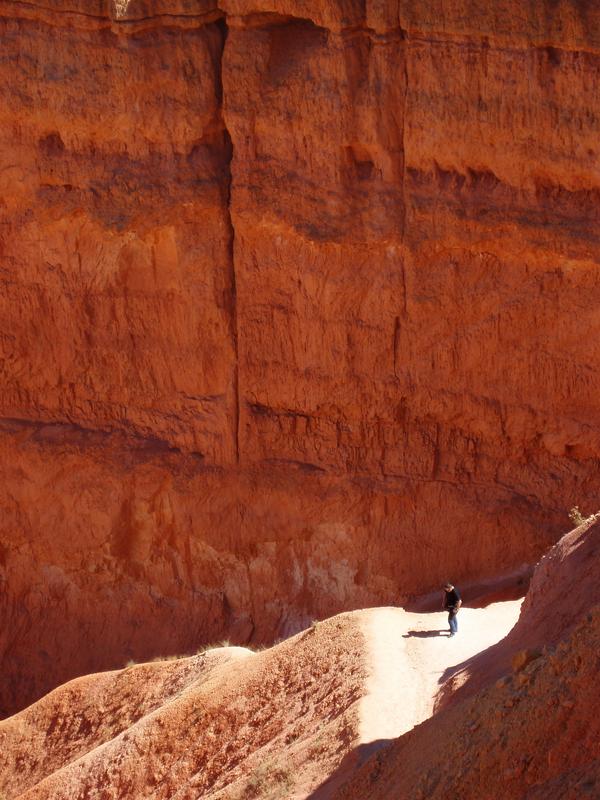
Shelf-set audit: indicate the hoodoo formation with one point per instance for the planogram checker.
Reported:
(298, 316)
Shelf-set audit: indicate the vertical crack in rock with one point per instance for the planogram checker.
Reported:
(222, 24)
(405, 49)
(396, 344)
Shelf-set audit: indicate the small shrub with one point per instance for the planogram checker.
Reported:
(205, 648)
(173, 657)
(256, 648)
(155, 660)
(270, 781)
(576, 516)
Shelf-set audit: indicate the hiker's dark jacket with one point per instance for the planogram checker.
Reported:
(452, 598)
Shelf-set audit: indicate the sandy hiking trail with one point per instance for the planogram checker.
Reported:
(409, 654)
(290, 722)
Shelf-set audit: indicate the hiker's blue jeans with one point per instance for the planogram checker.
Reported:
(452, 621)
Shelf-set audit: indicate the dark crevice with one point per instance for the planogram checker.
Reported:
(403, 139)
(304, 466)
(396, 343)
(54, 432)
(228, 149)
(261, 410)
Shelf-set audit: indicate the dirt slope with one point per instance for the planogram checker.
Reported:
(230, 723)
(232, 719)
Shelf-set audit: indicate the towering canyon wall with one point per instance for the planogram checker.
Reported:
(298, 311)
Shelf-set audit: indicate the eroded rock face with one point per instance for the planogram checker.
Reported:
(297, 312)
(117, 276)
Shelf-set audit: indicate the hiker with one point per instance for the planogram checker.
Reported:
(452, 603)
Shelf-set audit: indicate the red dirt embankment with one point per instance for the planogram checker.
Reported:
(290, 721)
(227, 723)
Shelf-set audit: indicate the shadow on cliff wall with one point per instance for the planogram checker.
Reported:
(478, 594)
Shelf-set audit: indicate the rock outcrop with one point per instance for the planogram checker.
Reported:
(297, 312)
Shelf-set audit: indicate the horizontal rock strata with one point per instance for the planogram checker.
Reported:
(297, 311)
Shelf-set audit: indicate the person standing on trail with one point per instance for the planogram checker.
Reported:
(452, 602)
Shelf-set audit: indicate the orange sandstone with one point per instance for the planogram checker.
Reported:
(297, 312)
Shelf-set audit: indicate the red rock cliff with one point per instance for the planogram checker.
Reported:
(297, 314)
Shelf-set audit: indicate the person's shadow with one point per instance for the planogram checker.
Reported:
(425, 634)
